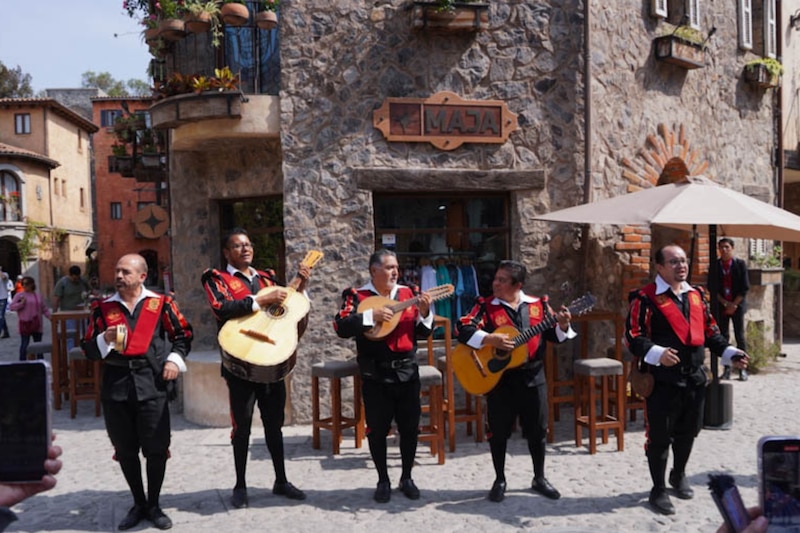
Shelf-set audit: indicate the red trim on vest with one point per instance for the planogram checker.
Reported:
(691, 332)
(238, 289)
(138, 338)
(499, 317)
(401, 340)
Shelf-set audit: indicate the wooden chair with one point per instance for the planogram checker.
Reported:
(84, 381)
(432, 431)
(335, 371)
(62, 331)
(587, 372)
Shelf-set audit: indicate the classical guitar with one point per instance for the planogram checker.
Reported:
(383, 329)
(261, 346)
(479, 370)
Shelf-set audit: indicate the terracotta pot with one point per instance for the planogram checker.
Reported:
(151, 35)
(172, 29)
(234, 14)
(198, 23)
(267, 20)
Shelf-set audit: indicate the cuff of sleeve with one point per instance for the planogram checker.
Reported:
(254, 305)
(366, 318)
(104, 347)
(428, 320)
(178, 360)
(729, 352)
(476, 341)
(562, 335)
(653, 355)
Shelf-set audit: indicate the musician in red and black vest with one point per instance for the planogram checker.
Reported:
(521, 391)
(669, 325)
(233, 293)
(143, 338)
(388, 366)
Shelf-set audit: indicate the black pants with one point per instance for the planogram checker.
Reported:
(674, 418)
(133, 425)
(738, 327)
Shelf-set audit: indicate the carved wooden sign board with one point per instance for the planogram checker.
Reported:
(445, 120)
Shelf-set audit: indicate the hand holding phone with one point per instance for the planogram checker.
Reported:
(726, 495)
(778, 479)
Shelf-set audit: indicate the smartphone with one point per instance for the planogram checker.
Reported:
(729, 502)
(25, 420)
(779, 482)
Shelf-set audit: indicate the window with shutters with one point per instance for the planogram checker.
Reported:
(693, 13)
(658, 8)
(746, 24)
(764, 28)
(770, 29)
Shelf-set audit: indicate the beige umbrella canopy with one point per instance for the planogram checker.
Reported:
(697, 201)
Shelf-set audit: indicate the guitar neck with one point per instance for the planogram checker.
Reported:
(531, 332)
(399, 306)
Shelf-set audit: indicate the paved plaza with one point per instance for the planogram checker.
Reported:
(601, 493)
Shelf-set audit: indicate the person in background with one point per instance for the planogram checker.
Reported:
(71, 291)
(522, 391)
(30, 308)
(143, 338)
(669, 326)
(388, 366)
(18, 285)
(4, 295)
(733, 287)
(13, 493)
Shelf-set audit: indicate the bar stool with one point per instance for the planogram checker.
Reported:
(586, 372)
(433, 432)
(472, 411)
(84, 380)
(559, 390)
(335, 371)
(36, 350)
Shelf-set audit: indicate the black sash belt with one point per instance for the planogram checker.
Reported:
(132, 363)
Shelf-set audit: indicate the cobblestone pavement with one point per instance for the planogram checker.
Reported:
(601, 493)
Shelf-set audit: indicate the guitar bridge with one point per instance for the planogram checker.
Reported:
(478, 364)
(257, 335)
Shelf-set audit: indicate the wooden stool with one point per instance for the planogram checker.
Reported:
(36, 350)
(433, 432)
(586, 372)
(336, 422)
(472, 411)
(84, 381)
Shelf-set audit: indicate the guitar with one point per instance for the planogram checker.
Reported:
(261, 346)
(479, 370)
(382, 329)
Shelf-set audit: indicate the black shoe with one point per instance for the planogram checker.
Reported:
(660, 502)
(135, 515)
(743, 375)
(681, 485)
(4, 336)
(158, 518)
(239, 498)
(726, 374)
(543, 487)
(498, 491)
(383, 493)
(288, 490)
(408, 488)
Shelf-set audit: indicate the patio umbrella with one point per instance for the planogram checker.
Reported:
(686, 205)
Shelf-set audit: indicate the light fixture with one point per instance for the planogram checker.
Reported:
(794, 20)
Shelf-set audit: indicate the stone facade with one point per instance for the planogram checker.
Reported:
(341, 60)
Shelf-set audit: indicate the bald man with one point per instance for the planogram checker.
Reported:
(143, 339)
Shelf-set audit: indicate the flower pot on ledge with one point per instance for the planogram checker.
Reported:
(234, 14)
(765, 276)
(465, 17)
(758, 76)
(267, 20)
(680, 52)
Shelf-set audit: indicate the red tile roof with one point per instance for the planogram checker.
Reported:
(14, 152)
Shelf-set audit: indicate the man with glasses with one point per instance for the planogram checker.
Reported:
(669, 325)
(521, 391)
(733, 287)
(233, 293)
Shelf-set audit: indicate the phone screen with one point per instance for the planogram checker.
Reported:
(25, 430)
(779, 469)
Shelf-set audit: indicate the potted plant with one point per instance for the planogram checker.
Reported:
(171, 26)
(150, 32)
(234, 12)
(764, 72)
(150, 152)
(267, 18)
(450, 15)
(766, 269)
(683, 47)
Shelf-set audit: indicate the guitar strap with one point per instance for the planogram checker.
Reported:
(139, 337)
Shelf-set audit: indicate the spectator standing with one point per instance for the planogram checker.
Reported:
(30, 307)
(4, 293)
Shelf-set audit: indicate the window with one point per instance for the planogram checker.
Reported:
(22, 123)
(55, 187)
(770, 29)
(746, 24)
(109, 116)
(80, 141)
(11, 204)
(83, 199)
(116, 210)
(659, 8)
(693, 13)
(64, 188)
(762, 25)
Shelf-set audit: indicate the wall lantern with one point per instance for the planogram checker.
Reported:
(794, 20)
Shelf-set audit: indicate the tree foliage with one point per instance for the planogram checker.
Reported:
(14, 83)
(113, 87)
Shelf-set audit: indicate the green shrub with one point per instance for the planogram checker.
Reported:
(762, 353)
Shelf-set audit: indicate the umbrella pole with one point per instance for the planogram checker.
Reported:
(691, 253)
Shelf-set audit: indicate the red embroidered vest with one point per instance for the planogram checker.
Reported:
(691, 332)
(499, 317)
(139, 338)
(400, 340)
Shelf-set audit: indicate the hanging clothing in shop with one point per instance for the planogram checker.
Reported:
(427, 277)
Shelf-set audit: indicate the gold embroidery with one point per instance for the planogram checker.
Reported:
(535, 311)
(152, 304)
(502, 320)
(236, 284)
(114, 316)
(695, 298)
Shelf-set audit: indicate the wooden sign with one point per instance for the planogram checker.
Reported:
(151, 222)
(445, 120)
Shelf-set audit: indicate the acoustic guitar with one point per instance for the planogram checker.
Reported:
(261, 346)
(382, 329)
(479, 370)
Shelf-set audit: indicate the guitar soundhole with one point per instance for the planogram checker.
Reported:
(276, 311)
(500, 354)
